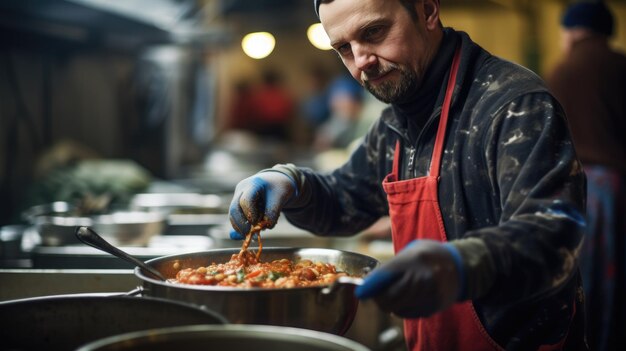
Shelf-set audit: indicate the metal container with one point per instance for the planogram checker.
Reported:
(10, 241)
(56, 222)
(226, 337)
(129, 228)
(186, 213)
(132, 228)
(59, 230)
(64, 322)
(316, 308)
(169, 202)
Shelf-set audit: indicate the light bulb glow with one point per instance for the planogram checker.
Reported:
(318, 37)
(258, 45)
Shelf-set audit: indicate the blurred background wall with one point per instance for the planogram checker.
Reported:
(154, 80)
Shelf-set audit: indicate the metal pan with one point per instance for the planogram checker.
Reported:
(316, 308)
(64, 322)
(227, 337)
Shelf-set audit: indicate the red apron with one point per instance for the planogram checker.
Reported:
(415, 214)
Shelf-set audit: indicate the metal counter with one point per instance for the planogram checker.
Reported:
(23, 283)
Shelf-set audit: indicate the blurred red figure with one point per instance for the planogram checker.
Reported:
(273, 107)
(242, 106)
(266, 109)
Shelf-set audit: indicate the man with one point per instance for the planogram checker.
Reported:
(474, 165)
(590, 82)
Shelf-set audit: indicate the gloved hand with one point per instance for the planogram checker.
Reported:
(425, 277)
(259, 198)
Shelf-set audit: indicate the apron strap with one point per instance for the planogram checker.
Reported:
(395, 171)
(435, 163)
(441, 130)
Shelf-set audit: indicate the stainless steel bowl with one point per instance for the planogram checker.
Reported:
(129, 228)
(59, 230)
(57, 208)
(170, 202)
(226, 337)
(186, 213)
(316, 308)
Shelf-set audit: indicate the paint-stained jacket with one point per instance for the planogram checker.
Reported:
(511, 194)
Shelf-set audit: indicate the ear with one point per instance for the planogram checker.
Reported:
(431, 13)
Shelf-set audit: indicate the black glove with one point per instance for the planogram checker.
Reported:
(259, 198)
(425, 277)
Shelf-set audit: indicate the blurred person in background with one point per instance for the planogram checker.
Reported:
(274, 106)
(345, 98)
(241, 111)
(473, 163)
(314, 107)
(265, 108)
(590, 83)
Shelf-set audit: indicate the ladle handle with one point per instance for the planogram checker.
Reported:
(91, 238)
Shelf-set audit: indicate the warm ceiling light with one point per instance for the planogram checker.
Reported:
(258, 45)
(318, 37)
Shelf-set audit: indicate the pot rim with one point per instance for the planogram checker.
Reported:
(113, 297)
(234, 330)
(227, 251)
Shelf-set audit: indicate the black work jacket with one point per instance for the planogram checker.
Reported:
(509, 177)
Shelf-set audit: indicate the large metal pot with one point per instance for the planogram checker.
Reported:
(227, 337)
(64, 322)
(316, 308)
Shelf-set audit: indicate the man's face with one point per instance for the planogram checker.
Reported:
(382, 46)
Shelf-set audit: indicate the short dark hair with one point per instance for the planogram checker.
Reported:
(409, 5)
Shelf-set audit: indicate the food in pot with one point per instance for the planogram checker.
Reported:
(254, 230)
(246, 271)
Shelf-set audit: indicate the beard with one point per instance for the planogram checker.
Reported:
(390, 91)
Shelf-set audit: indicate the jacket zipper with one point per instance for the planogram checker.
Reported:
(411, 165)
(413, 153)
(411, 169)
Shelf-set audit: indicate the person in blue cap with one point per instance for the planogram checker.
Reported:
(345, 99)
(472, 161)
(590, 83)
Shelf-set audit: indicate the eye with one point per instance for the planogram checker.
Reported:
(344, 50)
(373, 33)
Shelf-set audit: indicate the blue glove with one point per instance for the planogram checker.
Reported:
(259, 198)
(425, 277)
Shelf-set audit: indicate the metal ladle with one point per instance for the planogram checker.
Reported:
(91, 238)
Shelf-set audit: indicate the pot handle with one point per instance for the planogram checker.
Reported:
(342, 281)
(138, 291)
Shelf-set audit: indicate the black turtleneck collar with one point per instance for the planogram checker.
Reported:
(415, 111)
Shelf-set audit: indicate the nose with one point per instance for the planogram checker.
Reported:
(364, 58)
